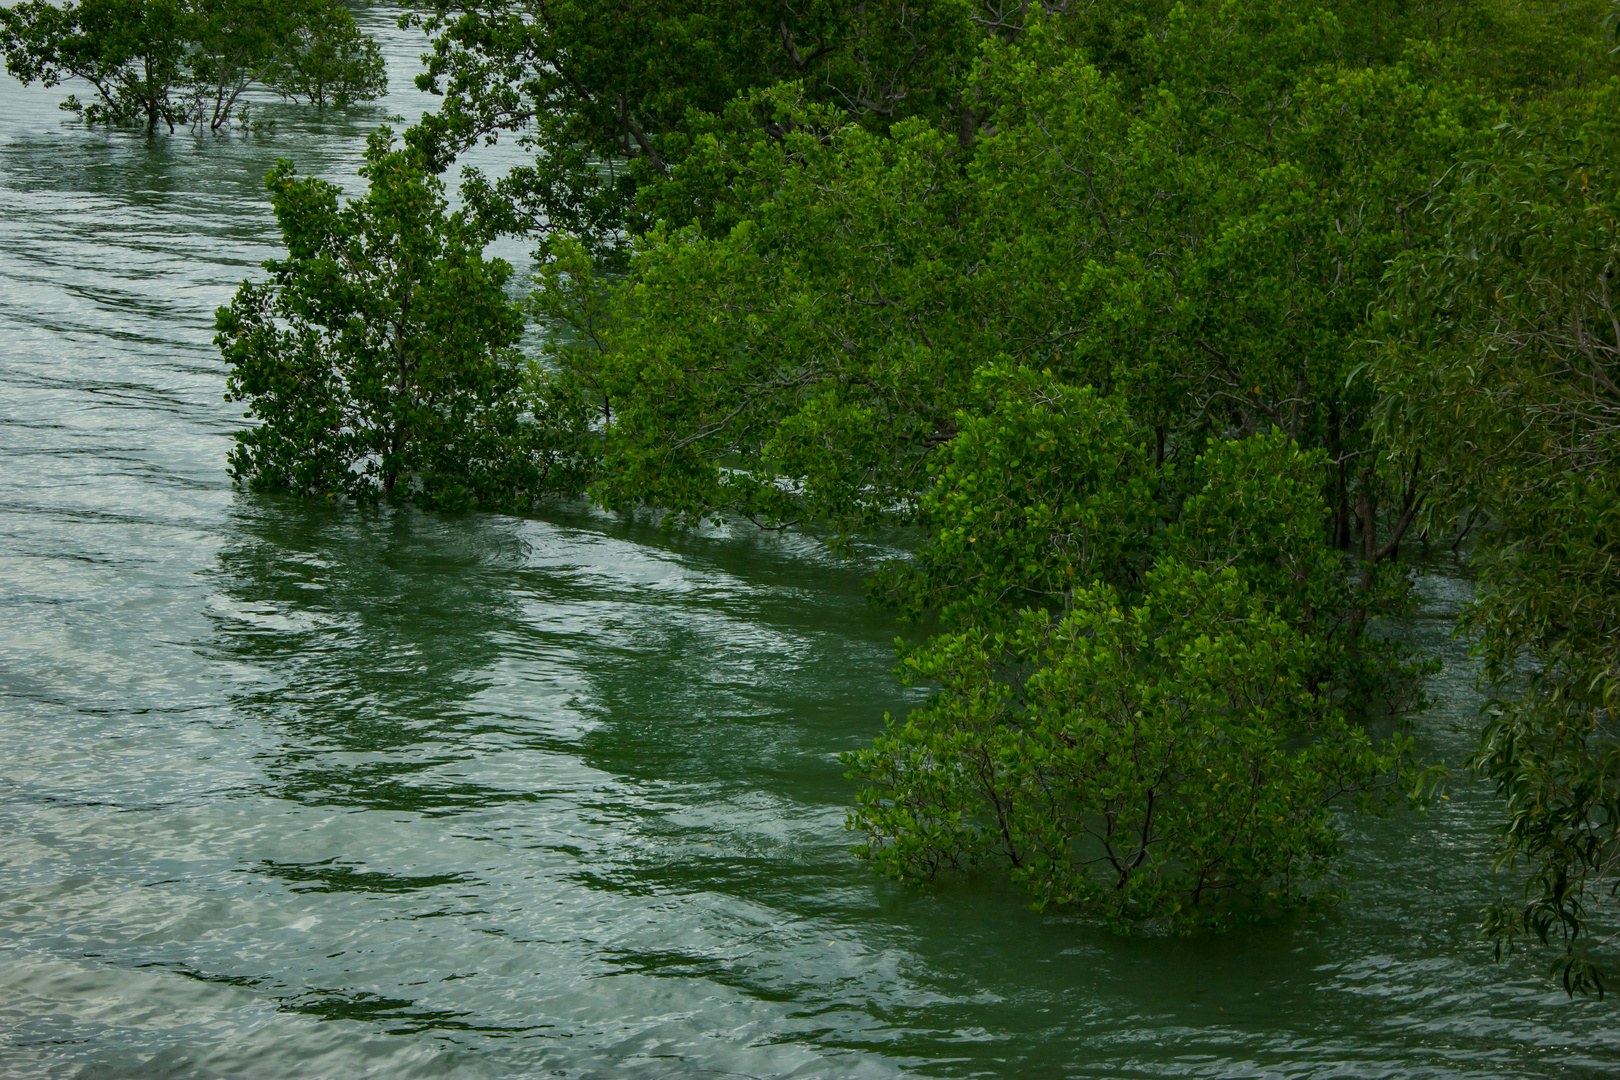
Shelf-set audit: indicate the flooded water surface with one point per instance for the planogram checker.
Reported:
(304, 791)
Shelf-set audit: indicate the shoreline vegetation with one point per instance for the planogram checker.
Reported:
(1167, 325)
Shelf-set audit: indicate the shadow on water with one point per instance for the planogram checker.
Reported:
(330, 875)
(369, 633)
(728, 658)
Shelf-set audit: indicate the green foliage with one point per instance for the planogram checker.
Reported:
(1042, 493)
(1531, 49)
(1555, 760)
(327, 61)
(131, 51)
(762, 375)
(1500, 363)
(381, 356)
(1212, 265)
(1142, 704)
(190, 61)
(606, 93)
(1159, 761)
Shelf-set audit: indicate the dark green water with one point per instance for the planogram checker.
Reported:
(289, 791)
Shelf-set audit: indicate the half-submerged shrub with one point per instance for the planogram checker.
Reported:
(1164, 760)
(1149, 686)
(381, 357)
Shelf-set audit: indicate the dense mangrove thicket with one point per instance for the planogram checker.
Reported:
(1167, 326)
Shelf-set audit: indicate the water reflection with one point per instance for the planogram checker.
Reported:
(330, 875)
(395, 1016)
(372, 632)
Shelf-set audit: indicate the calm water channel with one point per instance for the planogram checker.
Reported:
(289, 791)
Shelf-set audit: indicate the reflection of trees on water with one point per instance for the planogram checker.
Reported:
(738, 659)
(374, 630)
(395, 1016)
(330, 875)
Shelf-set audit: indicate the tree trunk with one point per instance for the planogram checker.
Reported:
(1339, 481)
(151, 99)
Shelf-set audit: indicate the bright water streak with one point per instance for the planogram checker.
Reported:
(292, 791)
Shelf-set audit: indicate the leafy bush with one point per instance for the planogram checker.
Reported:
(381, 356)
(1165, 760)
(1148, 703)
